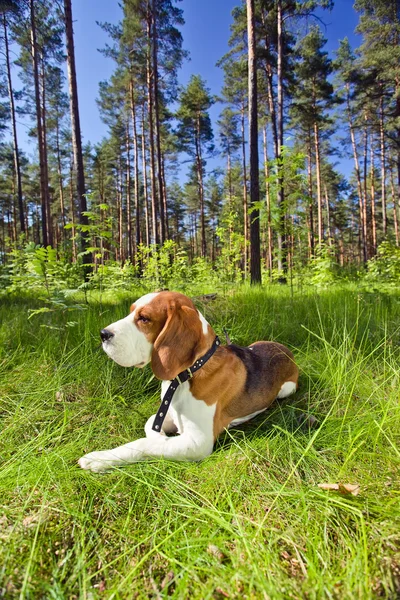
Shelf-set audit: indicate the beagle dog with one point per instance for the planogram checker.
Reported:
(232, 386)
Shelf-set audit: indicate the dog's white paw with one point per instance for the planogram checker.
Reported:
(98, 462)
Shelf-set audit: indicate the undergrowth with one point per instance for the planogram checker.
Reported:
(248, 522)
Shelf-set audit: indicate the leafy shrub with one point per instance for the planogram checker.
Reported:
(384, 268)
(323, 270)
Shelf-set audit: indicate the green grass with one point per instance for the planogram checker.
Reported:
(248, 522)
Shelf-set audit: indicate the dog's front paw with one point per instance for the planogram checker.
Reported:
(98, 462)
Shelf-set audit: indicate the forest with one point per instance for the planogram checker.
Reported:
(280, 219)
(279, 195)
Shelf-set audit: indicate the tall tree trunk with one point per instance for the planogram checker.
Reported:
(361, 197)
(161, 199)
(60, 181)
(383, 166)
(282, 242)
(395, 216)
(76, 132)
(311, 241)
(17, 166)
(268, 203)
(164, 186)
(146, 196)
(44, 188)
(199, 169)
(373, 217)
(150, 75)
(71, 199)
(136, 168)
(318, 178)
(328, 216)
(245, 206)
(45, 154)
(255, 259)
(131, 255)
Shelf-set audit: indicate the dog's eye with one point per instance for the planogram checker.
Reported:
(143, 319)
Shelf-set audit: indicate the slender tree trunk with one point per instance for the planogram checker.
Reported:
(136, 168)
(311, 241)
(383, 166)
(17, 166)
(373, 217)
(161, 200)
(71, 199)
(150, 75)
(395, 217)
(131, 255)
(164, 186)
(199, 169)
(255, 260)
(45, 155)
(76, 132)
(146, 196)
(328, 216)
(44, 189)
(318, 178)
(282, 242)
(245, 204)
(268, 203)
(60, 181)
(361, 197)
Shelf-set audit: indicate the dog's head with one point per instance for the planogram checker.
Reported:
(163, 328)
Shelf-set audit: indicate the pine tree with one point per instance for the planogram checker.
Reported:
(312, 98)
(195, 136)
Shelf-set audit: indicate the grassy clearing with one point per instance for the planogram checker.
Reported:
(248, 522)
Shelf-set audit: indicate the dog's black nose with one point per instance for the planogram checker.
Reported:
(106, 335)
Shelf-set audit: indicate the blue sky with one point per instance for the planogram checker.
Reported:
(205, 34)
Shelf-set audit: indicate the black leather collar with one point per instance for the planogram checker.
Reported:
(175, 383)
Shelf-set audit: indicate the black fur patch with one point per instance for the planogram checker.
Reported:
(254, 363)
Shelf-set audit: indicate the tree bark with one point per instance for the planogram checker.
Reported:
(45, 154)
(76, 133)
(44, 188)
(199, 169)
(245, 203)
(318, 178)
(131, 255)
(383, 165)
(282, 242)
(145, 189)
(255, 259)
(17, 165)
(161, 199)
(361, 198)
(268, 203)
(150, 75)
(373, 217)
(311, 241)
(395, 217)
(136, 169)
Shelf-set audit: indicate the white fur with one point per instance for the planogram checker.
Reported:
(289, 387)
(246, 418)
(204, 323)
(193, 420)
(129, 347)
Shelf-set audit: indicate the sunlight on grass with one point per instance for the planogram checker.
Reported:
(249, 521)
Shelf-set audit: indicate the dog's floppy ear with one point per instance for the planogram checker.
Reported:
(176, 347)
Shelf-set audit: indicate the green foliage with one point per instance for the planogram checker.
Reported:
(229, 261)
(384, 268)
(322, 269)
(37, 269)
